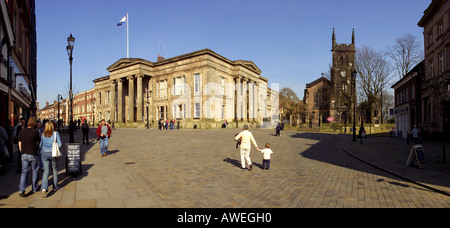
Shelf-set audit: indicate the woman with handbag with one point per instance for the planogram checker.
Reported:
(49, 147)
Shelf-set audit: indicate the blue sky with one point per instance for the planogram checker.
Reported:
(289, 40)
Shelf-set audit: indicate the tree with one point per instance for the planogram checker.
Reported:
(374, 73)
(290, 103)
(406, 52)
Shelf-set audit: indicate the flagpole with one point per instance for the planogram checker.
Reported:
(128, 41)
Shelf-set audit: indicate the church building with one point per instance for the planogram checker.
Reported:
(333, 97)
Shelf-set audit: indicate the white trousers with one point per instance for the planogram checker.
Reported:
(245, 155)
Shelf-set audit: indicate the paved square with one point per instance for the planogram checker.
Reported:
(201, 168)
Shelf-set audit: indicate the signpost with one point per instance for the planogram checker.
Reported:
(417, 155)
(73, 158)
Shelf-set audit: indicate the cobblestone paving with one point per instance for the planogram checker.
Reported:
(201, 168)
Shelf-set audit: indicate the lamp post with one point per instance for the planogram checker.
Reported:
(147, 91)
(69, 48)
(57, 122)
(354, 73)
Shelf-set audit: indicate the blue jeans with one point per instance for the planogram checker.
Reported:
(47, 159)
(29, 162)
(104, 143)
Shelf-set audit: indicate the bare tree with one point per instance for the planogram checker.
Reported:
(374, 73)
(406, 52)
(290, 103)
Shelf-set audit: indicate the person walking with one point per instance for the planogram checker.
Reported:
(104, 133)
(246, 137)
(85, 130)
(28, 146)
(45, 146)
(266, 160)
(415, 134)
(19, 128)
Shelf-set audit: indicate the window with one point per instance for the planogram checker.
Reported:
(222, 86)
(441, 28)
(441, 62)
(430, 65)
(407, 93)
(161, 89)
(196, 83)
(100, 98)
(197, 111)
(430, 38)
(413, 92)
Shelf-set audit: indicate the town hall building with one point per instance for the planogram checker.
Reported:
(200, 89)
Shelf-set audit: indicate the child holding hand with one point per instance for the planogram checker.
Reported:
(267, 152)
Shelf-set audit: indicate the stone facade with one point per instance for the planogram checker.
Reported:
(435, 82)
(200, 88)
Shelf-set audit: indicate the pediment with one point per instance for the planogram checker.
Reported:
(249, 64)
(123, 63)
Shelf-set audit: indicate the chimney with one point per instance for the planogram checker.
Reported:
(160, 58)
(46, 103)
(55, 102)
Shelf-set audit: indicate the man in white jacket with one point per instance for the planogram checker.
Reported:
(246, 137)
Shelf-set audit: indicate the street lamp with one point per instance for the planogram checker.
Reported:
(69, 48)
(354, 73)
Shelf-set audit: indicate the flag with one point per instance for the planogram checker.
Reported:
(124, 20)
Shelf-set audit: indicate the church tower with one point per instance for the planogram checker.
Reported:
(343, 63)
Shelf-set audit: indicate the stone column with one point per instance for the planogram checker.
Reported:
(130, 98)
(244, 99)
(113, 101)
(255, 101)
(139, 100)
(238, 98)
(250, 100)
(120, 100)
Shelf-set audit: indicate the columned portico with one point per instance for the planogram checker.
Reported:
(183, 101)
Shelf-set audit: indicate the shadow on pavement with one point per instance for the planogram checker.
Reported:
(321, 151)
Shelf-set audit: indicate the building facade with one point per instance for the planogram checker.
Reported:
(333, 97)
(84, 106)
(200, 89)
(408, 101)
(50, 111)
(17, 61)
(435, 83)
(317, 101)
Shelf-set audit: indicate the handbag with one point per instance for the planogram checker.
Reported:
(55, 148)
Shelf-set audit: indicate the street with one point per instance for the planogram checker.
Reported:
(201, 168)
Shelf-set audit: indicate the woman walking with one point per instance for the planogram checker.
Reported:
(45, 146)
(103, 133)
(28, 142)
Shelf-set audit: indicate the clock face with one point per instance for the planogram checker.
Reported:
(343, 73)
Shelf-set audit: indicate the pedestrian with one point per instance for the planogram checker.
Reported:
(16, 141)
(4, 154)
(171, 124)
(278, 129)
(160, 125)
(245, 146)
(266, 160)
(45, 146)
(103, 133)
(85, 131)
(40, 130)
(28, 146)
(415, 134)
(112, 126)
